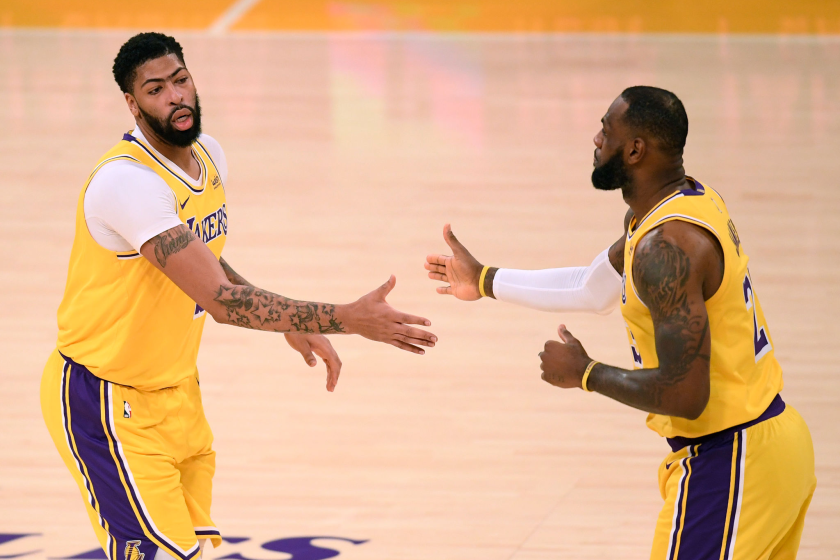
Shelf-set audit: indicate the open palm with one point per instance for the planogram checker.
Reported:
(461, 270)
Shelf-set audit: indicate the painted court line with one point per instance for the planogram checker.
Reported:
(233, 14)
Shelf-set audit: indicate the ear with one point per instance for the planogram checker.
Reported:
(132, 105)
(637, 151)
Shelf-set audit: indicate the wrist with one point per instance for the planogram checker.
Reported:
(586, 379)
(485, 281)
(345, 314)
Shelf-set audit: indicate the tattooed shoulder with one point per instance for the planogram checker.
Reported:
(170, 242)
(660, 271)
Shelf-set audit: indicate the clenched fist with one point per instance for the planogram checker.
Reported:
(563, 363)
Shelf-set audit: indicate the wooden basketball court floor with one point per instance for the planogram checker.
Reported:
(347, 155)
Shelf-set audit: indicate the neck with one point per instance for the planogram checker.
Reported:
(644, 194)
(182, 157)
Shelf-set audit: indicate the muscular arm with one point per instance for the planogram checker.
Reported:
(193, 267)
(233, 276)
(670, 269)
(215, 287)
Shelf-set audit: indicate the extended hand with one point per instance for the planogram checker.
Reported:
(372, 317)
(461, 270)
(307, 344)
(563, 363)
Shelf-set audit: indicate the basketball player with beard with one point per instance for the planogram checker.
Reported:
(120, 394)
(740, 475)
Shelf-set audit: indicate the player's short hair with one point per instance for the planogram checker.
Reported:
(659, 113)
(140, 49)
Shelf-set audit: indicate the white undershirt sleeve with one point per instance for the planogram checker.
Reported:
(126, 204)
(595, 288)
(217, 155)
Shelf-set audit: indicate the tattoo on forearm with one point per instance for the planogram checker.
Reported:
(253, 308)
(661, 271)
(233, 276)
(170, 242)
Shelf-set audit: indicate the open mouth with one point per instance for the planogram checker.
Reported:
(182, 119)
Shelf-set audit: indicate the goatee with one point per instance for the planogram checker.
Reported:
(171, 135)
(612, 175)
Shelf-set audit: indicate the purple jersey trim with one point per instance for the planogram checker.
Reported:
(776, 407)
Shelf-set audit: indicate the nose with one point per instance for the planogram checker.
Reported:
(598, 140)
(175, 95)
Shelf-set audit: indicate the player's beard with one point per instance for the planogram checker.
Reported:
(171, 135)
(612, 175)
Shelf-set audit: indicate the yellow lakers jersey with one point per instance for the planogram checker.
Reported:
(745, 375)
(121, 317)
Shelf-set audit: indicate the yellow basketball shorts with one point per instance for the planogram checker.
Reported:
(143, 460)
(741, 494)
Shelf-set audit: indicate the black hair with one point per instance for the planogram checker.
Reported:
(659, 113)
(140, 49)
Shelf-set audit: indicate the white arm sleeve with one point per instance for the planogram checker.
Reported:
(595, 288)
(126, 204)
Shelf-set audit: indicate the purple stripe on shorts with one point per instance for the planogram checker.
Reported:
(736, 488)
(92, 444)
(708, 498)
(678, 505)
(134, 494)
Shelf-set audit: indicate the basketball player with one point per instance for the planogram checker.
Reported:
(740, 474)
(120, 395)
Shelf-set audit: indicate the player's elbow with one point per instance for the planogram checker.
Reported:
(693, 403)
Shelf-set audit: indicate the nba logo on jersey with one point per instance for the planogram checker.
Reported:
(132, 548)
(127, 414)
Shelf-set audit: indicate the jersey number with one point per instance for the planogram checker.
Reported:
(760, 339)
(637, 358)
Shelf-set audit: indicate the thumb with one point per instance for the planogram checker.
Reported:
(452, 241)
(385, 289)
(308, 356)
(565, 335)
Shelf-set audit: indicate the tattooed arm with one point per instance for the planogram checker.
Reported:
(676, 268)
(233, 276)
(193, 268)
(308, 345)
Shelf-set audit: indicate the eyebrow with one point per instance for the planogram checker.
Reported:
(170, 76)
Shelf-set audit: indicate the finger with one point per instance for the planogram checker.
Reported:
(436, 259)
(444, 290)
(333, 371)
(452, 241)
(407, 319)
(407, 347)
(565, 335)
(419, 334)
(439, 268)
(438, 276)
(306, 352)
(386, 288)
(415, 341)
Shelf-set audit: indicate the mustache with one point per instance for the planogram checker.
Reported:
(179, 107)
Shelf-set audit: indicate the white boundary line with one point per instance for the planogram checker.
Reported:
(233, 14)
(443, 36)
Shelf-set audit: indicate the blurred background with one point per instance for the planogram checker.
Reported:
(354, 131)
